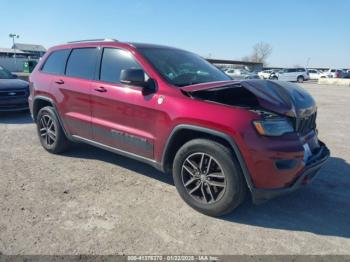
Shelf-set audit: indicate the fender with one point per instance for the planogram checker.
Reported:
(216, 133)
(51, 101)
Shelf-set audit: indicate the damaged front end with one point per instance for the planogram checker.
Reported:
(284, 107)
(285, 151)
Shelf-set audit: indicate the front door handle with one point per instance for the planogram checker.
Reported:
(101, 89)
(60, 82)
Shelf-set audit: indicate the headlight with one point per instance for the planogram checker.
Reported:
(273, 126)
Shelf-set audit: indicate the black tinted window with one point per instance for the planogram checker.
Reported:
(300, 70)
(56, 62)
(113, 62)
(82, 62)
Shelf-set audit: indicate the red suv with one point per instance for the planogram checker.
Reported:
(170, 108)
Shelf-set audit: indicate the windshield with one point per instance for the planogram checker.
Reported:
(4, 74)
(182, 68)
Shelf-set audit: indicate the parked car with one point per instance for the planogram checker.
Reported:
(347, 74)
(266, 74)
(333, 73)
(219, 138)
(326, 74)
(291, 74)
(314, 74)
(13, 92)
(239, 73)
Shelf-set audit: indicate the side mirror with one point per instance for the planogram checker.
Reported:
(133, 77)
(14, 76)
(136, 77)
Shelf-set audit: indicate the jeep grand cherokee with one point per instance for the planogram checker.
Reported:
(170, 108)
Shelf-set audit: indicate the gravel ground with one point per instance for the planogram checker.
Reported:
(89, 201)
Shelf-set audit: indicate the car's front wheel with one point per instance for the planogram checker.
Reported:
(51, 134)
(208, 178)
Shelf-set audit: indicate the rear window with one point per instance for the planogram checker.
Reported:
(82, 63)
(113, 62)
(56, 62)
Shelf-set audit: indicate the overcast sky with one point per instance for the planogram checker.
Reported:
(297, 30)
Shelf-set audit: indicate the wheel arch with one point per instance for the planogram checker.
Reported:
(40, 102)
(184, 133)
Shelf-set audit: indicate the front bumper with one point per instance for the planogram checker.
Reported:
(14, 108)
(17, 104)
(307, 175)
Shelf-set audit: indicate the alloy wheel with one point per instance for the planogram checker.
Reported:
(47, 130)
(203, 178)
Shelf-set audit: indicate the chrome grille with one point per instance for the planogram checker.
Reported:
(305, 125)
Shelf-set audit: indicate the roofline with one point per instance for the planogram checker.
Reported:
(232, 62)
(93, 40)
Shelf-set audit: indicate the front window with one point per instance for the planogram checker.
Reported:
(4, 74)
(182, 68)
(113, 62)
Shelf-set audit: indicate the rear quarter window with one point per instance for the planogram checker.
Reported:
(56, 62)
(82, 63)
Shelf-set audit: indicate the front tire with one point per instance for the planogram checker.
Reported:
(300, 79)
(51, 134)
(208, 178)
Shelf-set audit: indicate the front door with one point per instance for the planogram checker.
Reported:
(122, 116)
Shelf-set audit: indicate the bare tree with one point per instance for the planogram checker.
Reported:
(261, 51)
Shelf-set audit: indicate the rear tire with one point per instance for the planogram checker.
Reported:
(215, 173)
(300, 79)
(50, 132)
(274, 78)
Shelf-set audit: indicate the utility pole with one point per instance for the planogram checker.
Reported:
(13, 36)
(308, 61)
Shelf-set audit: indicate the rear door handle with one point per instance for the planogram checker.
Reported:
(101, 89)
(60, 82)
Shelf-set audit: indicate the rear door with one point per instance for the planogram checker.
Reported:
(290, 75)
(73, 91)
(122, 116)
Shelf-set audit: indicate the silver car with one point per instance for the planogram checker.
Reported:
(239, 73)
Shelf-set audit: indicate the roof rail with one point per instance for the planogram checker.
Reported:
(94, 40)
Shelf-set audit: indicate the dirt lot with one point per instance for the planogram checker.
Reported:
(94, 202)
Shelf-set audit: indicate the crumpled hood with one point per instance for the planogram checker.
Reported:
(277, 96)
(12, 84)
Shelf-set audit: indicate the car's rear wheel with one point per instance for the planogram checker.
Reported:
(300, 79)
(273, 78)
(51, 134)
(208, 178)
